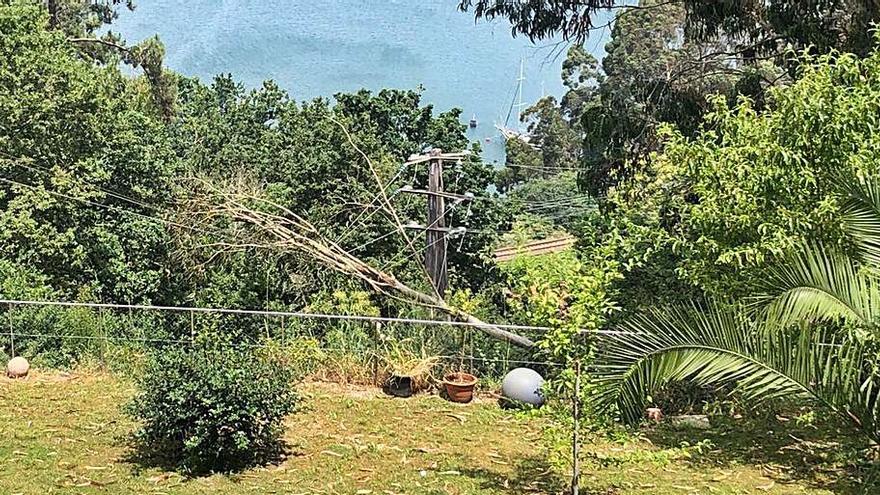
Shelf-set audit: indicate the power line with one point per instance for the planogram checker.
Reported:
(570, 213)
(574, 204)
(100, 205)
(377, 239)
(154, 208)
(447, 211)
(376, 197)
(406, 257)
(538, 205)
(550, 201)
(37, 168)
(545, 168)
(390, 206)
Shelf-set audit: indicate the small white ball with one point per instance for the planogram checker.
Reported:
(18, 367)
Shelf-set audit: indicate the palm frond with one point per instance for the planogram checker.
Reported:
(713, 346)
(817, 284)
(861, 214)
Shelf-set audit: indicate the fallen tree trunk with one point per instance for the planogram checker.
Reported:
(285, 231)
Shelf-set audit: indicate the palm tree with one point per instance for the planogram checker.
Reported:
(805, 334)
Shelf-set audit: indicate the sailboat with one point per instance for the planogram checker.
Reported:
(517, 104)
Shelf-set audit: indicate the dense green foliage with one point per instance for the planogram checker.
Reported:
(755, 184)
(212, 408)
(649, 76)
(79, 136)
(564, 292)
(808, 334)
(777, 208)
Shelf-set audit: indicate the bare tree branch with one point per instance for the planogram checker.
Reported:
(275, 227)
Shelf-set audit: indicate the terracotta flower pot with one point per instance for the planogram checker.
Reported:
(460, 386)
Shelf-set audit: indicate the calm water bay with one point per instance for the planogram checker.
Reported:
(320, 48)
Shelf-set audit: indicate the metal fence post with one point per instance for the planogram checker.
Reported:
(471, 334)
(575, 441)
(461, 349)
(11, 333)
(377, 337)
(103, 336)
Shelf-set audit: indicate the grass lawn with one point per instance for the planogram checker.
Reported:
(65, 434)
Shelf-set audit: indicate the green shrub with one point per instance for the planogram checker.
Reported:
(212, 408)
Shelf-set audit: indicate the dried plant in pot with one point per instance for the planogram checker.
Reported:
(408, 370)
(459, 386)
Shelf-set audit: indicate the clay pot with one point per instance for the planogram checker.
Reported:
(460, 386)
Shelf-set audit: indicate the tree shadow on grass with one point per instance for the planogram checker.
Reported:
(168, 457)
(530, 475)
(830, 455)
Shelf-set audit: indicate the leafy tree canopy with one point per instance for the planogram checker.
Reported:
(79, 139)
(608, 118)
(763, 27)
(754, 184)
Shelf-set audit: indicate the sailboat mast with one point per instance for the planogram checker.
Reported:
(522, 77)
(519, 91)
(518, 103)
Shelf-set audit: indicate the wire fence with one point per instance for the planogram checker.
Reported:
(37, 326)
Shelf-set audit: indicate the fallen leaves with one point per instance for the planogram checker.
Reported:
(767, 487)
(461, 419)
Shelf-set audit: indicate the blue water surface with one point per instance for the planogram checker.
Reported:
(318, 48)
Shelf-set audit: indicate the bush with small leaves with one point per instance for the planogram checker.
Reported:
(212, 408)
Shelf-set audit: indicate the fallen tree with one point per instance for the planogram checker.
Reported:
(265, 224)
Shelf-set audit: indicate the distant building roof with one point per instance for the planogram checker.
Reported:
(535, 248)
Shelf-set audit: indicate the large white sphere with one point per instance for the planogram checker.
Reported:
(18, 367)
(523, 385)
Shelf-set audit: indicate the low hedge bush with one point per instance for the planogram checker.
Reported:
(212, 408)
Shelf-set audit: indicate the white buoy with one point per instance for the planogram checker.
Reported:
(523, 385)
(18, 367)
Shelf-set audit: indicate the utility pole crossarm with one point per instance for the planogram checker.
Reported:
(437, 155)
(444, 194)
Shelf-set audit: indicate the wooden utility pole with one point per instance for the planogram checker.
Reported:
(436, 231)
(435, 247)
